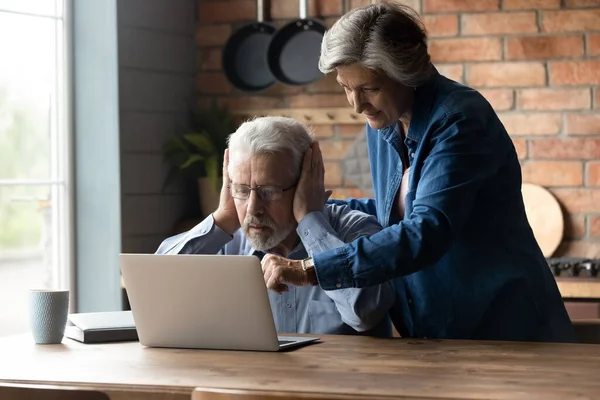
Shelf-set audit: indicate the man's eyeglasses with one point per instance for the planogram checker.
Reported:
(265, 193)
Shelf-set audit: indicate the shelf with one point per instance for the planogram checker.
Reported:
(311, 116)
(579, 288)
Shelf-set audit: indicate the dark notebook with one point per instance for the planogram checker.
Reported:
(99, 327)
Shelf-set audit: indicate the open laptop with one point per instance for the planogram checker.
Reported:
(202, 302)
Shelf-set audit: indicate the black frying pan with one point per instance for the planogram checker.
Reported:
(295, 49)
(245, 55)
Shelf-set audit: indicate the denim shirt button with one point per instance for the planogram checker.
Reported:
(409, 300)
(338, 285)
(288, 305)
(412, 155)
(306, 232)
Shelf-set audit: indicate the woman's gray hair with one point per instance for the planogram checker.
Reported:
(386, 37)
(269, 135)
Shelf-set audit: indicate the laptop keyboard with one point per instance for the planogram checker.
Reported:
(285, 341)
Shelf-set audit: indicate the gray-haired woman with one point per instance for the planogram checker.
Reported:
(447, 186)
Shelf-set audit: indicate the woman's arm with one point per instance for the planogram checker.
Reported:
(365, 205)
(463, 156)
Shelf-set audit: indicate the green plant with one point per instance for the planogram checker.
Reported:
(199, 153)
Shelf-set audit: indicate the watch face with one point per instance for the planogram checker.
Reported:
(308, 263)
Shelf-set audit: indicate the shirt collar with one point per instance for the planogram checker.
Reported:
(297, 253)
(424, 97)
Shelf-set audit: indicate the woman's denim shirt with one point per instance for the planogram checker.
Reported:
(464, 241)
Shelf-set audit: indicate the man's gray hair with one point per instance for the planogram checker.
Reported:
(269, 135)
(386, 37)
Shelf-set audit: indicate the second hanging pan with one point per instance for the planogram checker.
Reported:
(294, 51)
(245, 55)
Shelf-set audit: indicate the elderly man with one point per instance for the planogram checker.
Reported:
(260, 213)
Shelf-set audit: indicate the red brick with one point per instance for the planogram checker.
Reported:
(441, 25)
(595, 226)
(465, 49)
(226, 11)
(212, 35)
(520, 148)
(582, 124)
(329, 7)
(575, 72)
(543, 47)
(211, 59)
(330, 21)
(451, 71)
(333, 174)
(593, 44)
(530, 4)
(327, 84)
(280, 23)
(578, 248)
(345, 193)
(553, 173)
(597, 98)
(554, 99)
(347, 183)
(433, 6)
(335, 150)
(500, 99)
(322, 131)
(572, 148)
(509, 74)
(574, 226)
(286, 9)
(579, 200)
(351, 130)
(359, 3)
(317, 100)
(414, 4)
(570, 21)
(212, 83)
(582, 3)
(593, 174)
(531, 124)
(498, 23)
(251, 102)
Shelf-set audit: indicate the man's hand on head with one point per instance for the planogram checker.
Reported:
(310, 192)
(226, 214)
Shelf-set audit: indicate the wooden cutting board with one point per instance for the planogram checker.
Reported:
(545, 217)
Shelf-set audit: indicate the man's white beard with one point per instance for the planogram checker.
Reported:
(266, 240)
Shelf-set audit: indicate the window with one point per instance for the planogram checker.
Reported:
(35, 161)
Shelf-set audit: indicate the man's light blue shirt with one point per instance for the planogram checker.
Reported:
(307, 309)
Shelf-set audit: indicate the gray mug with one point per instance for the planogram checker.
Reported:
(48, 311)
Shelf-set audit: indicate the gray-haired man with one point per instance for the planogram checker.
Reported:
(260, 213)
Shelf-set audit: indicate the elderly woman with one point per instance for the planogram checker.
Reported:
(447, 181)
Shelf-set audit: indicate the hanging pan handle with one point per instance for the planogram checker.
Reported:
(260, 10)
(303, 9)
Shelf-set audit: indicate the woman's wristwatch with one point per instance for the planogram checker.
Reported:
(308, 266)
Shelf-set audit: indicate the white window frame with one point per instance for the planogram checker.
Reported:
(62, 172)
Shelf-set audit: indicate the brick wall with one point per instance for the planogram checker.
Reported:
(536, 61)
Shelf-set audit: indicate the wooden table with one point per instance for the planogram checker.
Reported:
(394, 368)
